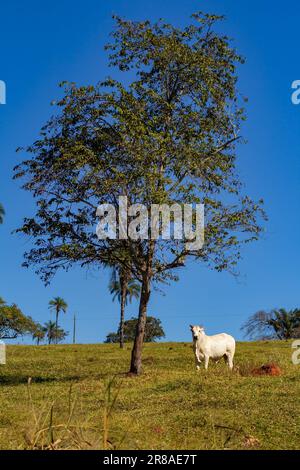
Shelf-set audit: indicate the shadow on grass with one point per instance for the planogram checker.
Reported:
(23, 379)
(19, 379)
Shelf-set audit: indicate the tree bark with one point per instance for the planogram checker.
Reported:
(136, 355)
(122, 314)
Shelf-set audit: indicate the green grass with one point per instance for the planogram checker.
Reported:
(171, 406)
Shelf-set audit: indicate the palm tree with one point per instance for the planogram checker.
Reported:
(50, 329)
(53, 332)
(285, 322)
(276, 324)
(39, 333)
(58, 304)
(123, 287)
(2, 213)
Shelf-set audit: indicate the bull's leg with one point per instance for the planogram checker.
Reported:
(229, 361)
(197, 356)
(197, 362)
(206, 361)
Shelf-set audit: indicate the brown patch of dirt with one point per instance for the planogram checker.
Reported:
(251, 441)
(271, 369)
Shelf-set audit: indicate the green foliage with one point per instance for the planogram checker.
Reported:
(112, 338)
(54, 333)
(39, 333)
(13, 322)
(153, 331)
(132, 289)
(276, 324)
(167, 137)
(58, 304)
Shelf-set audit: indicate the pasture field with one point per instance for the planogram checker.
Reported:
(79, 397)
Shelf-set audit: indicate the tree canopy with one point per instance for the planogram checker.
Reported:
(54, 333)
(13, 322)
(153, 331)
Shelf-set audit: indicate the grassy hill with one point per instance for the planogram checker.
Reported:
(79, 397)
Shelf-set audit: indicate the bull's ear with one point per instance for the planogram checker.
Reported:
(191, 327)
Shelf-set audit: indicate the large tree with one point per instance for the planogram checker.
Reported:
(167, 137)
(13, 322)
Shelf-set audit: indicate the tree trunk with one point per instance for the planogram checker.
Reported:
(56, 326)
(122, 314)
(136, 355)
(124, 279)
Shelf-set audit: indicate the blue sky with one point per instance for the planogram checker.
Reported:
(63, 40)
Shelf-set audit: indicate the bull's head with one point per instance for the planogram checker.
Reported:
(196, 331)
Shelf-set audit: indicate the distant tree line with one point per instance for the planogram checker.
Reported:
(14, 324)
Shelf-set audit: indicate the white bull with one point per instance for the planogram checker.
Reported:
(212, 347)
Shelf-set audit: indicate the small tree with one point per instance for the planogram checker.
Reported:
(112, 338)
(153, 331)
(276, 324)
(169, 137)
(39, 333)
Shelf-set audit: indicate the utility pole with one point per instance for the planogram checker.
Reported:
(74, 329)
